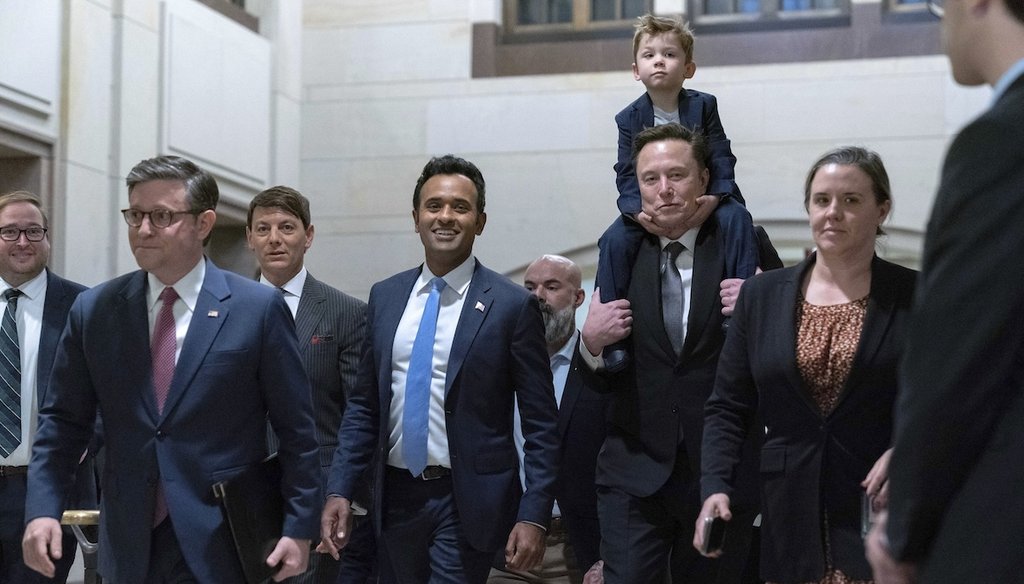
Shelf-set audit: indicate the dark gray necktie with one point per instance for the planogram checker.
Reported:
(672, 296)
(10, 376)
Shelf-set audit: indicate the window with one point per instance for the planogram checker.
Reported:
(766, 13)
(573, 15)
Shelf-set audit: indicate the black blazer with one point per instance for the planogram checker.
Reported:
(809, 462)
(957, 475)
(659, 401)
(582, 428)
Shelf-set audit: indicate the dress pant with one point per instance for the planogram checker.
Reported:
(422, 533)
(649, 540)
(12, 528)
(166, 562)
(558, 567)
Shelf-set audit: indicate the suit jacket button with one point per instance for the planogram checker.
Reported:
(160, 434)
(675, 409)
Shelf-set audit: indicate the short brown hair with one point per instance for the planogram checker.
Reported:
(868, 161)
(284, 198)
(651, 25)
(25, 197)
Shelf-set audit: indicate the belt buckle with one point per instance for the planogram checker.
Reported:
(431, 473)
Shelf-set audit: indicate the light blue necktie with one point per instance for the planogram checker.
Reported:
(417, 384)
(10, 376)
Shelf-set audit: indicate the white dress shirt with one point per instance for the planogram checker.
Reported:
(292, 289)
(29, 317)
(188, 288)
(452, 298)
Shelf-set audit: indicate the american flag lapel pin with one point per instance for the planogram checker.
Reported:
(479, 306)
(212, 314)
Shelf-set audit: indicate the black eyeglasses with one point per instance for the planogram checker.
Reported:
(159, 218)
(937, 7)
(11, 233)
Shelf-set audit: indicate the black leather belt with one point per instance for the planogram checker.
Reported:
(429, 473)
(10, 471)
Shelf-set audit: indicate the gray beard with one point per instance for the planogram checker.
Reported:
(558, 324)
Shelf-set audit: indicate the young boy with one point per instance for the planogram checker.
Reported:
(663, 60)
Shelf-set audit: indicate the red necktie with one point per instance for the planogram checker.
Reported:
(163, 349)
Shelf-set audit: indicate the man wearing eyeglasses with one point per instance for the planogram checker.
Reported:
(185, 363)
(35, 304)
(956, 506)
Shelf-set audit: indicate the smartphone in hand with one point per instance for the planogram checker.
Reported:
(714, 534)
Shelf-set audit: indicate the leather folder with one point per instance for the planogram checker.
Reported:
(254, 509)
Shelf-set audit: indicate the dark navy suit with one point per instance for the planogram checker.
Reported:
(498, 352)
(238, 363)
(60, 293)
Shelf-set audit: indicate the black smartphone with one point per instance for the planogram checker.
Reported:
(714, 534)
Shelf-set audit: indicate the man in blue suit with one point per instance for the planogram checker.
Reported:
(450, 345)
(39, 308)
(178, 416)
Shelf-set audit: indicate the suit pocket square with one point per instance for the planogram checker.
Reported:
(321, 339)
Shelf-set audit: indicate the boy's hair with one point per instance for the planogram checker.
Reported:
(284, 198)
(651, 25)
(449, 164)
(698, 143)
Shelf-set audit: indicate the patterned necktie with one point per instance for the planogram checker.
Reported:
(10, 376)
(672, 296)
(417, 384)
(165, 338)
(164, 347)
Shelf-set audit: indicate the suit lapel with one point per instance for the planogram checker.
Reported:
(877, 319)
(646, 287)
(212, 308)
(789, 296)
(474, 310)
(571, 392)
(708, 267)
(132, 303)
(310, 313)
(394, 300)
(53, 308)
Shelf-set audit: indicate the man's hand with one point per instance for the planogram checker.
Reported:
(606, 323)
(292, 555)
(42, 544)
(716, 505)
(525, 547)
(335, 526)
(730, 292)
(887, 570)
(595, 575)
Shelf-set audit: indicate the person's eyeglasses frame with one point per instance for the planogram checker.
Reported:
(172, 219)
(936, 8)
(10, 229)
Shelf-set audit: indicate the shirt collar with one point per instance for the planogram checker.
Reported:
(187, 287)
(568, 349)
(457, 280)
(688, 239)
(30, 289)
(1012, 74)
(293, 286)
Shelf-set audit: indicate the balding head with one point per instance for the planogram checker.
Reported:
(556, 282)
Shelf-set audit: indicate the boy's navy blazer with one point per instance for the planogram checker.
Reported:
(697, 111)
(498, 352)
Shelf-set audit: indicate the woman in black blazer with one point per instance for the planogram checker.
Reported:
(811, 361)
